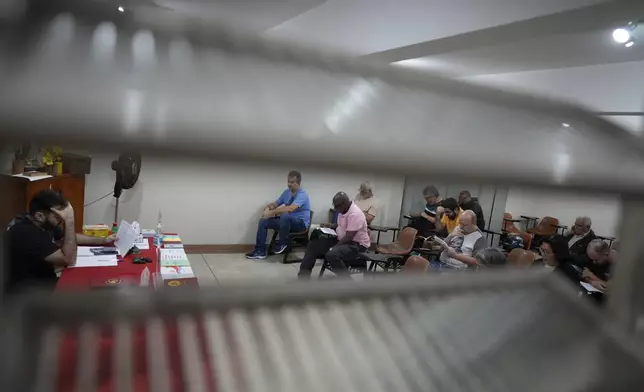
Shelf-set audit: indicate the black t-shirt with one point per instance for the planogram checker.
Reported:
(476, 208)
(27, 246)
(602, 271)
(430, 209)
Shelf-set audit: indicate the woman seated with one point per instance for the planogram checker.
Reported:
(556, 258)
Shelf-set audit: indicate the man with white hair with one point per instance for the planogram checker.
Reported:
(580, 236)
(366, 201)
(462, 244)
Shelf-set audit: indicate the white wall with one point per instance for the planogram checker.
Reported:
(605, 87)
(210, 202)
(604, 210)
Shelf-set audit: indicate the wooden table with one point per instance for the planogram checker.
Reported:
(94, 277)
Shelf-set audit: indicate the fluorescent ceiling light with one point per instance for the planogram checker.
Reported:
(621, 35)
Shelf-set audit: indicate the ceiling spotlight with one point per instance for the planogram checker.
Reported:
(565, 125)
(629, 43)
(121, 9)
(622, 35)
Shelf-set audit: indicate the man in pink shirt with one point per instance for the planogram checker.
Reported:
(352, 239)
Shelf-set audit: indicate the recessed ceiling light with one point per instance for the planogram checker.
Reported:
(621, 35)
(629, 43)
(121, 9)
(565, 125)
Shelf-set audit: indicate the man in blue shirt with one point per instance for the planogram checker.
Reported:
(290, 212)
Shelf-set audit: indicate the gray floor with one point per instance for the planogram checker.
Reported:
(214, 269)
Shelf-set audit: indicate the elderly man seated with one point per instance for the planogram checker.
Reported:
(366, 201)
(290, 212)
(466, 202)
(352, 239)
(580, 236)
(462, 245)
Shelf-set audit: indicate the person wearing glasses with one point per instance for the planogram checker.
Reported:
(557, 258)
(352, 238)
(580, 236)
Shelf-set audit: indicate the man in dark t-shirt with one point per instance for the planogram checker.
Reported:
(425, 222)
(597, 264)
(466, 202)
(41, 240)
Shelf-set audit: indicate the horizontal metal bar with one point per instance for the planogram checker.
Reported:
(635, 114)
(83, 73)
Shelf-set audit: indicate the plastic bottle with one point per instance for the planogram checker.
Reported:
(115, 228)
(158, 235)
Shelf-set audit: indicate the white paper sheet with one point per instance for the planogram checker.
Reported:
(441, 242)
(84, 251)
(126, 237)
(176, 272)
(33, 178)
(327, 230)
(96, 261)
(142, 243)
(590, 288)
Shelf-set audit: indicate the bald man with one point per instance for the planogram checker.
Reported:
(352, 239)
(463, 244)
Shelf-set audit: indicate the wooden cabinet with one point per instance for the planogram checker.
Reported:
(15, 194)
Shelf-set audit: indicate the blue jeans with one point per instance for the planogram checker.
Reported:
(285, 223)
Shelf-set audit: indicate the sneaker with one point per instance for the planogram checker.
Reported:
(256, 255)
(280, 249)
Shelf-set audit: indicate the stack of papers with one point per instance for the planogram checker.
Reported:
(85, 258)
(174, 258)
(171, 239)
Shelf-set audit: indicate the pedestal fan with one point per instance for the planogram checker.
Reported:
(127, 168)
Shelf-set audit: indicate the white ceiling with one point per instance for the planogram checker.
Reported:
(367, 26)
(545, 52)
(464, 37)
(252, 15)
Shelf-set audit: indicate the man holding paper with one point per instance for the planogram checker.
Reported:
(41, 240)
(351, 240)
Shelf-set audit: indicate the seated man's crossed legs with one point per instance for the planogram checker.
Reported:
(337, 257)
(285, 224)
